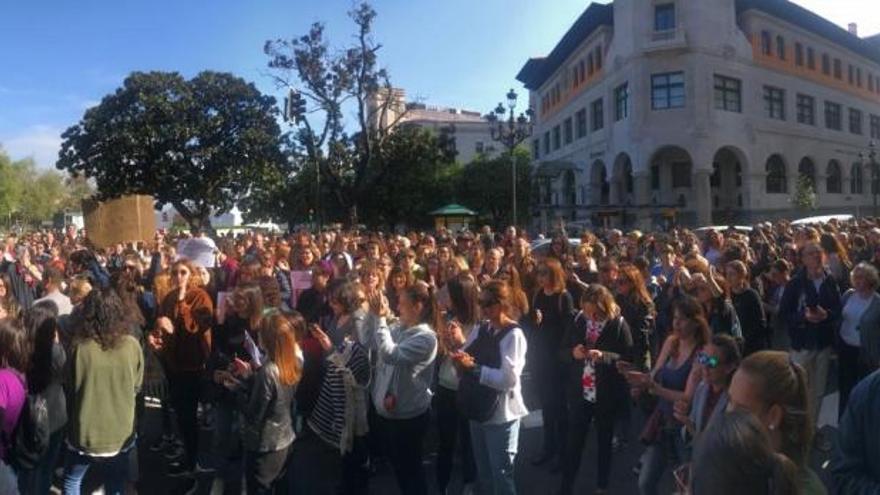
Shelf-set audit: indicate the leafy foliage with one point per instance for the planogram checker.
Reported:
(485, 186)
(198, 144)
(31, 195)
(344, 163)
(804, 195)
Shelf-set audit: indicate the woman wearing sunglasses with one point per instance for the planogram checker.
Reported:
(183, 336)
(717, 363)
(597, 390)
(493, 357)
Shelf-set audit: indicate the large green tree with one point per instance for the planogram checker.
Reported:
(30, 195)
(335, 83)
(198, 144)
(486, 185)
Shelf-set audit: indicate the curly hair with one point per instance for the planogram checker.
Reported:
(101, 319)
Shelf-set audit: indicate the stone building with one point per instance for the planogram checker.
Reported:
(702, 112)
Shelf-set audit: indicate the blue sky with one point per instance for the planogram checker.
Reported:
(60, 57)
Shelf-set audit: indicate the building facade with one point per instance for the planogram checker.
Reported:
(702, 112)
(467, 131)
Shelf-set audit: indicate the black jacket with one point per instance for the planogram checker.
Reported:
(799, 293)
(616, 343)
(266, 406)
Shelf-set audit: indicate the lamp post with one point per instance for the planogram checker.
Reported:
(510, 133)
(869, 157)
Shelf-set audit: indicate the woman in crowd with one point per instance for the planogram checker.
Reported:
(183, 336)
(520, 301)
(771, 386)
(553, 310)
(13, 389)
(398, 281)
(493, 357)
(404, 374)
(107, 366)
(719, 311)
(233, 338)
(44, 377)
(717, 361)
(859, 343)
(9, 307)
(598, 391)
(313, 302)
(837, 258)
(637, 308)
(735, 457)
(349, 316)
(462, 309)
(266, 396)
(670, 380)
(749, 310)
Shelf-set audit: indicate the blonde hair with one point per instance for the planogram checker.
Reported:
(278, 335)
(79, 288)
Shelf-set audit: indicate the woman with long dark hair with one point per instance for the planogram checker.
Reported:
(461, 310)
(107, 364)
(13, 366)
(44, 377)
(670, 380)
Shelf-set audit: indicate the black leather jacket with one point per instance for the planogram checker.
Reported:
(266, 406)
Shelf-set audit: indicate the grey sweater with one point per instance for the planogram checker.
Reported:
(869, 328)
(404, 368)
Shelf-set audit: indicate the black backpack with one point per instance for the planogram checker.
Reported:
(30, 440)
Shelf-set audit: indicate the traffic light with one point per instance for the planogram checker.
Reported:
(294, 107)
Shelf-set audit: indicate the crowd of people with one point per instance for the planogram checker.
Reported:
(314, 358)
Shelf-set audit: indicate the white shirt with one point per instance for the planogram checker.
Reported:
(507, 378)
(852, 312)
(60, 300)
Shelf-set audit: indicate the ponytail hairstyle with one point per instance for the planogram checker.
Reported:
(278, 336)
(422, 293)
(781, 382)
(734, 456)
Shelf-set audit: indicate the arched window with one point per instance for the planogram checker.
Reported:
(776, 182)
(833, 180)
(855, 179)
(807, 169)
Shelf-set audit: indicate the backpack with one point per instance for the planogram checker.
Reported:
(30, 440)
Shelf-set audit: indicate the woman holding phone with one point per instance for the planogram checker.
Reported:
(265, 397)
(597, 390)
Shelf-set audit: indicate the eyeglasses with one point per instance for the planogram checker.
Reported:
(708, 361)
(181, 273)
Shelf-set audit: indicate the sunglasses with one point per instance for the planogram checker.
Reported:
(485, 303)
(129, 268)
(708, 361)
(180, 273)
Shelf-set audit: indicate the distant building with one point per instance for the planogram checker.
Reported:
(705, 111)
(467, 130)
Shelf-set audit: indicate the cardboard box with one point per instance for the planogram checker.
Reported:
(126, 219)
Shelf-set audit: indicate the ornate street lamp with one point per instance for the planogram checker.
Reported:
(869, 158)
(510, 133)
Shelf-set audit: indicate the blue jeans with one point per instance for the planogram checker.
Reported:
(668, 449)
(495, 447)
(76, 465)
